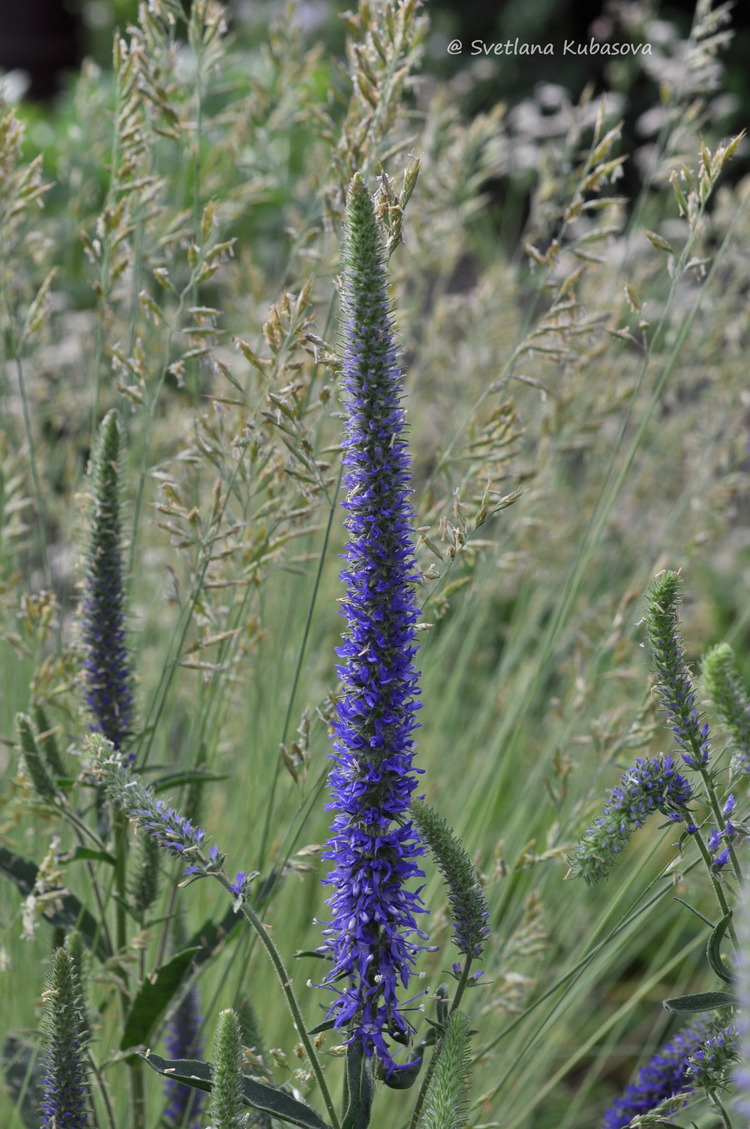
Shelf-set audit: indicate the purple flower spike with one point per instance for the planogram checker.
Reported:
(373, 844)
(667, 1074)
(651, 785)
(65, 1084)
(107, 664)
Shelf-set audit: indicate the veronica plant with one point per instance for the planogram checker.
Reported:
(374, 846)
(699, 1057)
(380, 831)
(699, 1054)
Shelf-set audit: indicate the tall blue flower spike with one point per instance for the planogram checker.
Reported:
(373, 844)
(107, 665)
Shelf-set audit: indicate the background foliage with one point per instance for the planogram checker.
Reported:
(170, 240)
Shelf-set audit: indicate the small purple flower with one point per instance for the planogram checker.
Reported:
(673, 680)
(238, 885)
(106, 663)
(650, 786)
(709, 1065)
(666, 1075)
(373, 844)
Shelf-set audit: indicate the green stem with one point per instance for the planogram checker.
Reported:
(423, 1089)
(716, 883)
(135, 1065)
(708, 784)
(462, 984)
(717, 1102)
(286, 986)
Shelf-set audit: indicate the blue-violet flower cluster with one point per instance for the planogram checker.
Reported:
(467, 898)
(651, 785)
(106, 663)
(667, 1074)
(373, 844)
(673, 681)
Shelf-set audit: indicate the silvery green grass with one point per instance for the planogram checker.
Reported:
(264, 356)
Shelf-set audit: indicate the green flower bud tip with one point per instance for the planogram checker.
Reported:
(445, 1101)
(466, 896)
(226, 1108)
(75, 950)
(723, 684)
(674, 684)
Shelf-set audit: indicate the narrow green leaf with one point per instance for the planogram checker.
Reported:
(177, 779)
(154, 997)
(701, 1001)
(713, 950)
(88, 853)
(70, 915)
(279, 1104)
(24, 1070)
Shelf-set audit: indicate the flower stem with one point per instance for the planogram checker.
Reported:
(721, 1108)
(286, 986)
(462, 983)
(715, 881)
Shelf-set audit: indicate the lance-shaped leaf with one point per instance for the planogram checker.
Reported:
(698, 1002)
(154, 997)
(256, 1094)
